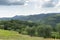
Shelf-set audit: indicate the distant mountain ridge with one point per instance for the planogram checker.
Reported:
(33, 18)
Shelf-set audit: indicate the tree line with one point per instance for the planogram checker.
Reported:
(31, 28)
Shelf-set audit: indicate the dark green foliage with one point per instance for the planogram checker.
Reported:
(16, 25)
(58, 28)
(44, 31)
(31, 31)
(28, 28)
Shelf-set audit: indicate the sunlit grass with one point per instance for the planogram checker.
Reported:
(12, 35)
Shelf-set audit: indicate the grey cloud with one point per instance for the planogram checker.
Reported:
(3, 2)
(6, 2)
(50, 3)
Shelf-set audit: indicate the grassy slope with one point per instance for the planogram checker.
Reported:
(11, 35)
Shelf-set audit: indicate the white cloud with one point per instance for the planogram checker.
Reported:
(58, 4)
(47, 0)
(43, 3)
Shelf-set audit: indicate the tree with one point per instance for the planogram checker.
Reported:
(58, 28)
(31, 31)
(44, 30)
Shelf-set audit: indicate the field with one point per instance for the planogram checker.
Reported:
(12, 35)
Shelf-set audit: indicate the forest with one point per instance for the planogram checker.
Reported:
(49, 27)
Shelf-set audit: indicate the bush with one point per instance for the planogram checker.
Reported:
(55, 35)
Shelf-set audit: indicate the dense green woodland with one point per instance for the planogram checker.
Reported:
(47, 27)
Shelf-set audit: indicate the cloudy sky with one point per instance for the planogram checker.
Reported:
(9, 8)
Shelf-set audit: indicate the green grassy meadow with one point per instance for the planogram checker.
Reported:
(12, 35)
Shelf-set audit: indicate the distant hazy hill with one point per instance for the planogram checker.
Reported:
(34, 18)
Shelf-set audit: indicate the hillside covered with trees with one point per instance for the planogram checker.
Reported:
(45, 25)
